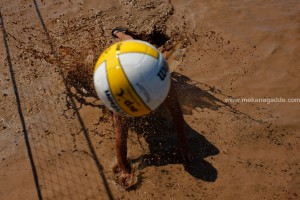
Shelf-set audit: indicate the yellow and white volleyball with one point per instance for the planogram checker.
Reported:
(132, 78)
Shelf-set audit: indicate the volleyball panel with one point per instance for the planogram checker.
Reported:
(103, 89)
(144, 76)
(122, 90)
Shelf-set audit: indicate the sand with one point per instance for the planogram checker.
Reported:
(57, 139)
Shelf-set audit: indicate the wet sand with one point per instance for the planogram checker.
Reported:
(217, 50)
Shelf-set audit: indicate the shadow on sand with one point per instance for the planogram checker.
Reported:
(160, 134)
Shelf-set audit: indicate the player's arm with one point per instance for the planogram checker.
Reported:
(178, 120)
(121, 130)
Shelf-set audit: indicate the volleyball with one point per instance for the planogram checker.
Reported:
(132, 78)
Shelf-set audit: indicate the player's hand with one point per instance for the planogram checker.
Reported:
(123, 177)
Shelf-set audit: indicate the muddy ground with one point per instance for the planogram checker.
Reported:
(57, 138)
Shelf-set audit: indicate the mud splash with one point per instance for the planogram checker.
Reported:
(82, 40)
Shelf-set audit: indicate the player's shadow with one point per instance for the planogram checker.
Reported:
(159, 133)
(192, 97)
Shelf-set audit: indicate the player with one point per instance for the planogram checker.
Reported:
(121, 125)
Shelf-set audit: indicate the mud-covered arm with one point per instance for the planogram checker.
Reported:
(178, 120)
(121, 130)
(175, 109)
